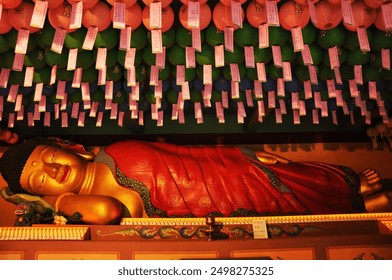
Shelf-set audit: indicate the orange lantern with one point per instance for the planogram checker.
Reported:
(10, 4)
(128, 3)
(263, 1)
(98, 15)
(20, 17)
(228, 2)
(375, 4)
(379, 21)
(292, 14)
(328, 16)
(363, 15)
(256, 14)
(133, 16)
(60, 17)
(87, 4)
(164, 3)
(5, 25)
(305, 2)
(185, 2)
(204, 18)
(167, 18)
(337, 2)
(52, 3)
(221, 16)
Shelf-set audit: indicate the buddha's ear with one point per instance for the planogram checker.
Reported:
(76, 148)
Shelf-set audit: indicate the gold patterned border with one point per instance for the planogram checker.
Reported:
(385, 218)
(44, 233)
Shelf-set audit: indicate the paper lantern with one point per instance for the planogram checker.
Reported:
(52, 3)
(185, 2)
(133, 16)
(204, 17)
(97, 16)
(292, 14)
(20, 17)
(164, 3)
(214, 36)
(60, 17)
(11, 4)
(375, 4)
(363, 15)
(167, 18)
(305, 2)
(379, 21)
(221, 16)
(328, 16)
(87, 4)
(337, 2)
(256, 14)
(128, 3)
(228, 2)
(5, 25)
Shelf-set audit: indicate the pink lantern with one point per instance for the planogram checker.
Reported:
(98, 15)
(60, 17)
(20, 17)
(204, 18)
(5, 25)
(133, 16)
(167, 18)
(10, 4)
(87, 4)
(221, 16)
(292, 14)
(328, 16)
(128, 3)
(52, 3)
(164, 3)
(363, 15)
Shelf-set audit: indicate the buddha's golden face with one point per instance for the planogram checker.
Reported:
(53, 171)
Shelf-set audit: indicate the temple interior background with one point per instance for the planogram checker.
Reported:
(310, 81)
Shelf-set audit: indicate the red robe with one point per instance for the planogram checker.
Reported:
(200, 180)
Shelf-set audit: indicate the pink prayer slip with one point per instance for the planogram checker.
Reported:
(272, 13)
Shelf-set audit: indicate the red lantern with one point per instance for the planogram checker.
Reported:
(185, 2)
(167, 18)
(98, 15)
(133, 16)
(164, 3)
(263, 1)
(10, 4)
(204, 18)
(5, 25)
(60, 17)
(20, 17)
(256, 14)
(375, 4)
(379, 21)
(87, 4)
(53, 3)
(228, 2)
(128, 3)
(292, 14)
(221, 16)
(328, 16)
(363, 15)
(305, 2)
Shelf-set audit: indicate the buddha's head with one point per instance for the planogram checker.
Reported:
(42, 166)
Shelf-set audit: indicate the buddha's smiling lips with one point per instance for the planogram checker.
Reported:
(65, 173)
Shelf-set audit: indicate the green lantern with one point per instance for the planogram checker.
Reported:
(325, 72)
(121, 57)
(215, 72)
(120, 97)
(164, 73)
(380, 40)
(183, 37)
(190, 73)
(176, 55)
(278, 36)
(75, 97)
(75, 39)
(171, 96)
(371, 73)
(262, 55)
(309, 34)
(330, 38)
(168, 38)
(98, 96)
(64, 75)
(206, 56)
(4, 46)
(357, 57)
(246, 36)
(16, 77)
(114, 73)
(148, 56)
(351, 40)
(141, 73)
(89, 75)
(139, 38)
(237, 56)
(86, 59)
(288, 54)
(214, 36)
(302, 73)
(107, 38)
(52, 58)
(346, 72)
(7, 59)
(227, 71)
(274, 72)
(342, 54)
(316, 52)
(12, 36)
(35, 58)
(44, 36)
(196, 95)
(42, 75)
(216, 96)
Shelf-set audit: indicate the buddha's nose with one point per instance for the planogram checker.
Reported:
(52, 169)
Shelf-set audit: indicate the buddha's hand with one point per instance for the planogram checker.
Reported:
(268, 158)
(370, 181)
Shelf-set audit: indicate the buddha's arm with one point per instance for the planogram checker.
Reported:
(95, 209)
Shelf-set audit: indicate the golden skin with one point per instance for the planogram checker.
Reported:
(51, 171)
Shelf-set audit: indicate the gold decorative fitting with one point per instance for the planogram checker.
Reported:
(298, 7)
(259, 7)
(67, 9)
